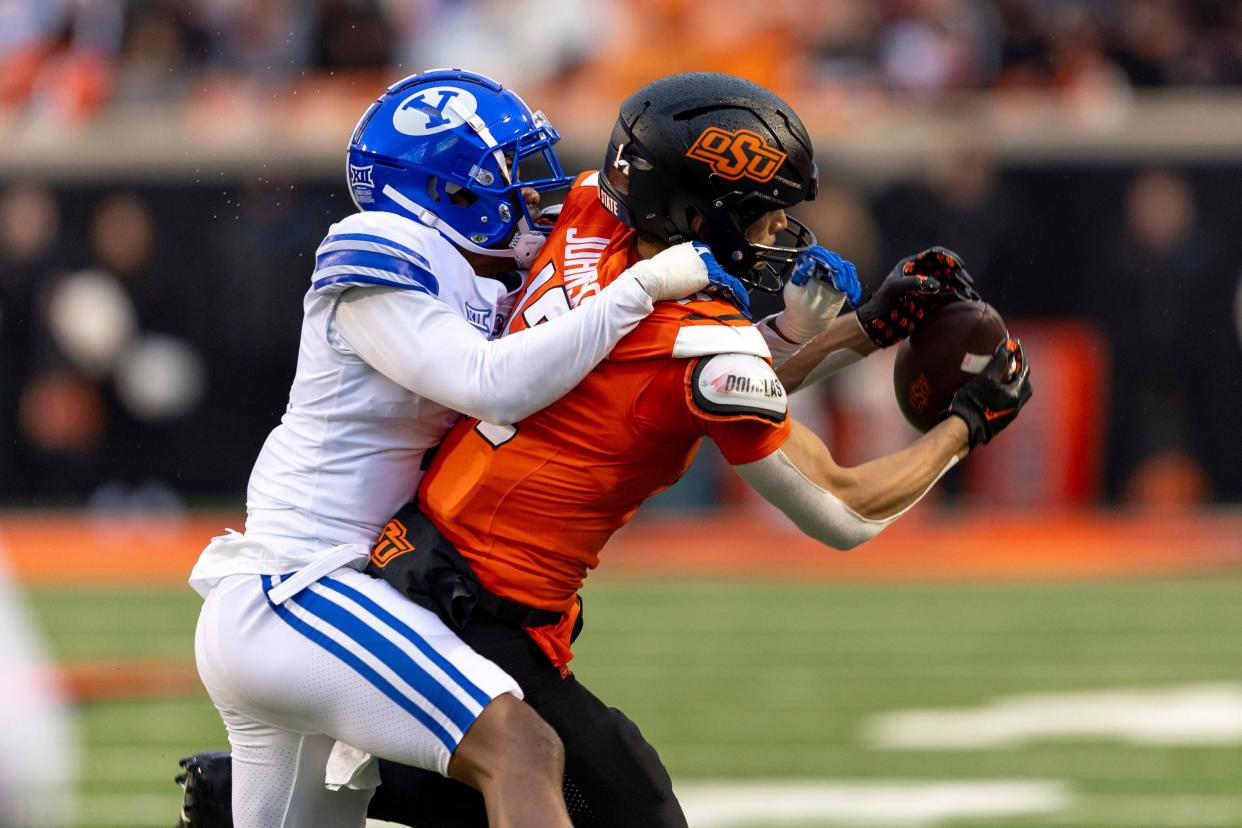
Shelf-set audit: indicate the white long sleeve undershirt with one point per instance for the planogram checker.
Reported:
(420, 343)
(782, 349)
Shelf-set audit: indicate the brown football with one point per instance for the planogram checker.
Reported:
(947, 350)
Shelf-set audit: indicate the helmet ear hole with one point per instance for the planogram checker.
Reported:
(459, 195)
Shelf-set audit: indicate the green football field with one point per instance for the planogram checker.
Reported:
(1103, 704)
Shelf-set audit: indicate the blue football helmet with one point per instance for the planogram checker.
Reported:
(446, 147)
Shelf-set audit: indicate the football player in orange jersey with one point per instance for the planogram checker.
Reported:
(513, 518)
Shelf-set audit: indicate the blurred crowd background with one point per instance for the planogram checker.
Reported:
(149, 317)
(82, 55)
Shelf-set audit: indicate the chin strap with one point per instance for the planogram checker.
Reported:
(523, 248)
(433, 221)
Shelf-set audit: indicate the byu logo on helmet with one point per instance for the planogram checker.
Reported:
(427, 111)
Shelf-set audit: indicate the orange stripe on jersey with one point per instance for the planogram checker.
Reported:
(532, 508)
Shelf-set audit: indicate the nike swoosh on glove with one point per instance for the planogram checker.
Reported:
(991, 401)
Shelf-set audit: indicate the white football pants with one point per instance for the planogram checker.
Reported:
(347, 658)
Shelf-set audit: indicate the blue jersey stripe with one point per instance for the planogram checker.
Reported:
(367, 237)
(427, 685)
(364, 670)
(414, 638)
(360, 279)
(374, 260)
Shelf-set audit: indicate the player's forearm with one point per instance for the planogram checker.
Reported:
(883, 488)
(889, 485)
(534, 368)
(509, 379)
(844, 507)
(841, 345)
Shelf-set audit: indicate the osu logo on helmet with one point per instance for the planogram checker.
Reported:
(732, 155)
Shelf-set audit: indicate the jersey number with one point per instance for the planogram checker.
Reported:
(551, 304)
(496, 435)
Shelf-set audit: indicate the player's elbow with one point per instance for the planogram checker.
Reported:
(845, 544)
(506, 402)
(843, 539)
(496, 415)
(501, 410)
(837, 527)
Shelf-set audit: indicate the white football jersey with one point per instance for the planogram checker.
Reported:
(348, 451)
(346, 454)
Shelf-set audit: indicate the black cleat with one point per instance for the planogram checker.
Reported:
(207, 779)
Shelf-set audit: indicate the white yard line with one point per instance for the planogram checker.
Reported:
(719, 804)
(1182, 715)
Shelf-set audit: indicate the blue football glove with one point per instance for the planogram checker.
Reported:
(820, 285)
(821, 263)
(723, 284)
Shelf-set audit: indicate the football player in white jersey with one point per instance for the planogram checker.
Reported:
(296, 646)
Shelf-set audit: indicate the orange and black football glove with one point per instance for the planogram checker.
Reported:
(992, 400)
(911, 290)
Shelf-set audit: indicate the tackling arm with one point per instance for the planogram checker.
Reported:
(421, 344)
(822, 282)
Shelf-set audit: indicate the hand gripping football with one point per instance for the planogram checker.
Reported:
(946, 351)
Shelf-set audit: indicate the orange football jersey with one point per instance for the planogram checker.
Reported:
(531, 505)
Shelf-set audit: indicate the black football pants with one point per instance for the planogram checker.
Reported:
(614, 778)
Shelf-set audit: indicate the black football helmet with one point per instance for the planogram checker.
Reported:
(717, 146)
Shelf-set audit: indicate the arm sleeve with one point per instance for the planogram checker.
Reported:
(419, 343)
(781, 348)
(816, 511)
(836, 361)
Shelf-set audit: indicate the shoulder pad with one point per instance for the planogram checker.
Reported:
(734, 385)
(704, 340)
(376, 248)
